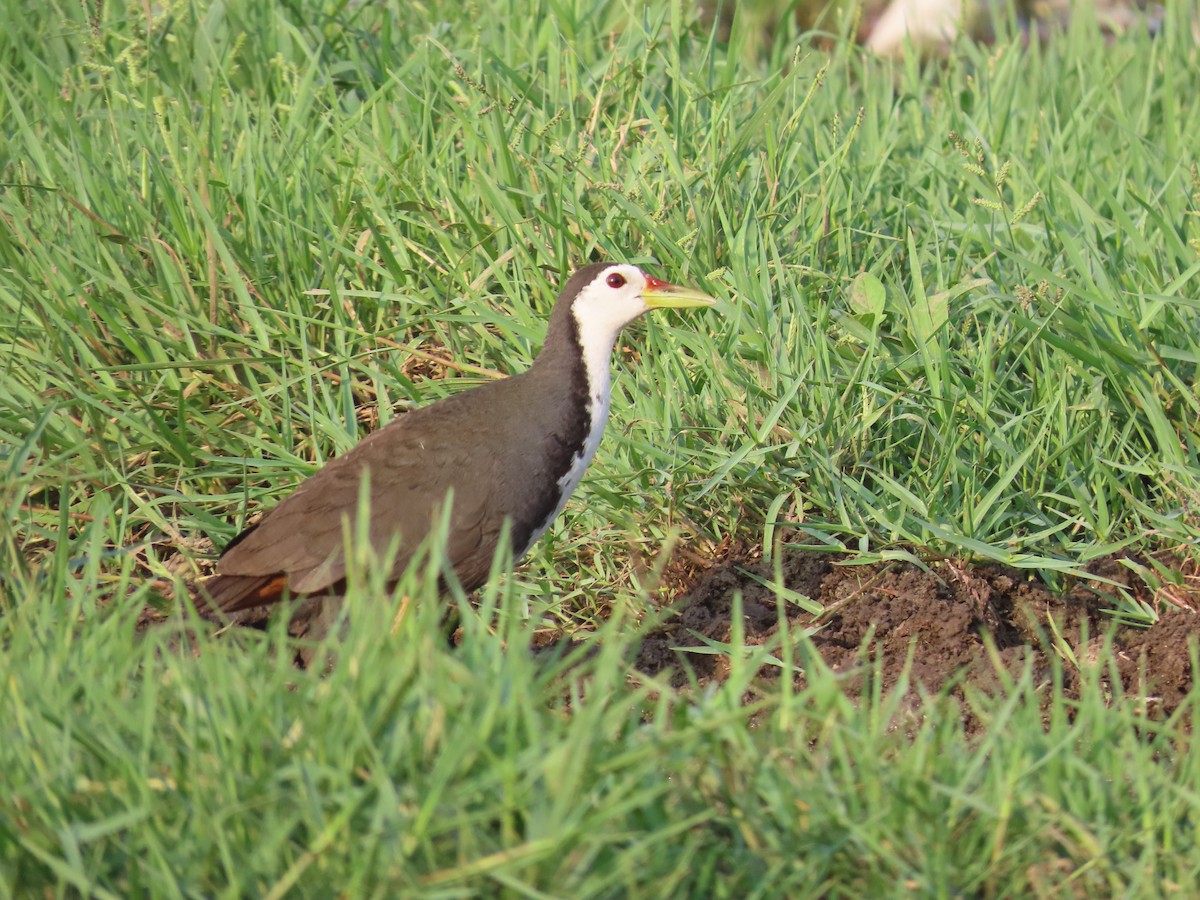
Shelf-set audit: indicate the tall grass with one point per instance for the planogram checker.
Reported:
(960, 301)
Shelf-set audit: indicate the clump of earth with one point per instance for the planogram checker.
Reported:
(947, 615)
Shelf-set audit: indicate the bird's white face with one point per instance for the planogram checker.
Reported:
(608, 304)
(618, 295)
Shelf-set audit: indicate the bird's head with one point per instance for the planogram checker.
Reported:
(605, 297)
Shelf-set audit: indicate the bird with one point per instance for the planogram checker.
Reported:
(509, 452)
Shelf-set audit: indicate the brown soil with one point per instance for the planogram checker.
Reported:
(878, 614)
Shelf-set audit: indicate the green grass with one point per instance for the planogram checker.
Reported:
(410, 770)
(959, 317)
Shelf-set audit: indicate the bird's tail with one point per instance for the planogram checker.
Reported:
(220, 596)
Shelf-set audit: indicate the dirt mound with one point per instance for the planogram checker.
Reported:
(878, 614)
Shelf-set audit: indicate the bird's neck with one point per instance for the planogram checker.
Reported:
(580, 356)
(579, 361)
(598, 378)
(583, 349)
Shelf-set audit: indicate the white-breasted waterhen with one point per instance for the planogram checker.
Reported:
(513, 449)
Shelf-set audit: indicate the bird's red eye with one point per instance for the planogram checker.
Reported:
(615, 280)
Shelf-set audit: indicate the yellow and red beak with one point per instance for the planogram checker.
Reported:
(664, 295)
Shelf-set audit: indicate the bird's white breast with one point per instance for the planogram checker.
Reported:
(598, 410)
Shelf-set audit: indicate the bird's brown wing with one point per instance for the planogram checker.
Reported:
(299, 545)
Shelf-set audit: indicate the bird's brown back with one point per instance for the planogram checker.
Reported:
(501, 448)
